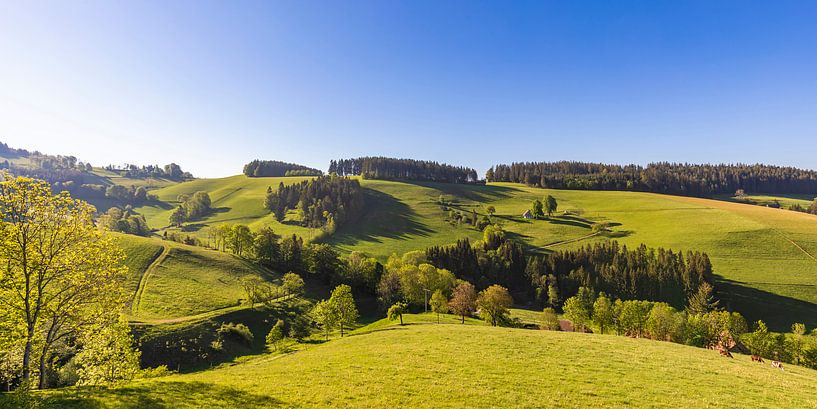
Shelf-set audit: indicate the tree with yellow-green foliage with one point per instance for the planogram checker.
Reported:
(439, 304)
(58, 273)
(494, 303)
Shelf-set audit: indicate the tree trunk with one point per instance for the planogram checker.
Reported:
(463, 319)
(27, 358)
(41, 383)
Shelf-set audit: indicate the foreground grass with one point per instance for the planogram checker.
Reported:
(425, 364)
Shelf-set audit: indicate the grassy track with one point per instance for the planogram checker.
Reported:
(426, 364)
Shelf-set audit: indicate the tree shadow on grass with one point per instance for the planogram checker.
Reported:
(385, 217)
(569, 222)
(778, 311)
(161, 395)
(476, 193)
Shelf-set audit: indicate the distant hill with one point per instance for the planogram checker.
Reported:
(425, 364)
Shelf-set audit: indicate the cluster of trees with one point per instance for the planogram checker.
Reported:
(339, 311)
(493, 303)
(290, 253)
(124, 221)
(402, 169)
(261, 291)
(124, 195)
(700, 324)
(631, 274)
(641, 273)
(412, 279)
(539, 207)
(7, 151)
(798, 347)
(494, 260)
(132, 194)
(663, 177)
(191, 208)
(61, 292)
(324, 202)
(51, 168)
(170, 171)
(265, 168)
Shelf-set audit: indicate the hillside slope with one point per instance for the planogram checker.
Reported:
(170, 281)
(765, 258)
(452, 365)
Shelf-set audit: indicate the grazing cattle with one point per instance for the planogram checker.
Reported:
(777, 364)
(724, 352)
(757, 358)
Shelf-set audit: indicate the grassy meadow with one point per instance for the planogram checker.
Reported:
(235, 200)
(171, 281)
(453, 365)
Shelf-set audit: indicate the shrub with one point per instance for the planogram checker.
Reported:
(550, 321)
(156, 372)
(235, 332)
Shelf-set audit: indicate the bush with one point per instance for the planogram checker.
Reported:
(235, 332)
(550, 321)
(156, 372)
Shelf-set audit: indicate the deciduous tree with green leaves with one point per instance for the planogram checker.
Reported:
(579, 308)
(276, 334)
(439, 304)
(293, 284)
(396, 311)
(494, 303)
(58, 272)
(325, 316)
(464, 300)
(107, 355)
(603, 313)
(550, 205)
(342, 302)
(536, 209)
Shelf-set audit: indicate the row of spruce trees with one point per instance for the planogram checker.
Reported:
(407, 169)
(268, 168)
(641, 273)
(663, 177)
(324, 201)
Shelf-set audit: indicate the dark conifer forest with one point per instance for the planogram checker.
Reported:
(326, 201)
(629, 274)
(662, 177)
(403, 169)
(269, 168)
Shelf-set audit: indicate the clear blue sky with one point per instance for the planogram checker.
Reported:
(214, 85)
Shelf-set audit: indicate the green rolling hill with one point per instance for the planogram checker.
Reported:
(476, 366)
(172, 282)
(764, 257)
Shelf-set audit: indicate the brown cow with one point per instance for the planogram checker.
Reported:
(757, 358)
